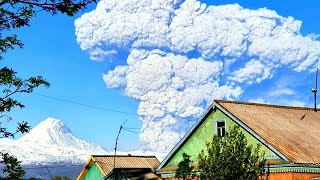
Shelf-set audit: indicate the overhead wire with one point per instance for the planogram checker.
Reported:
(309, 101)
(80, 104)
(305, 113)
(86, 105)
(130, 130)
(44, 166)
(49, 172)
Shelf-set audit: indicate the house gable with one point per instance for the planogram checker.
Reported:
(195, 140)
(91, 170)
(93, 173)
(100, 166)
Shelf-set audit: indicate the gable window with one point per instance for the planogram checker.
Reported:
(221, 128)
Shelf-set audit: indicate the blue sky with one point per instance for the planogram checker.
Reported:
(51, 50)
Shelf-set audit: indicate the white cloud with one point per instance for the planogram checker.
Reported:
(171, 87)
(179, 57)
(281, 92)
(115, 25)
(258, 100)
(116, 78)
(292, 102)
(283, 101)
(253, 72)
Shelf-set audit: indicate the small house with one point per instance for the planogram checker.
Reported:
(120, 167)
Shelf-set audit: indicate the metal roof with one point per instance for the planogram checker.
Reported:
(105, 162)
(293, 131)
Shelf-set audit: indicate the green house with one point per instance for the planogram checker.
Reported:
(120, 167)
(290, 137)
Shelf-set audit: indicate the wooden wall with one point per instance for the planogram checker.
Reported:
(292, 176)
(278, 176)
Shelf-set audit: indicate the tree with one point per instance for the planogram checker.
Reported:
(12, 168)
(15, 14)
(11, 85)
(185, 168)
(231, 157)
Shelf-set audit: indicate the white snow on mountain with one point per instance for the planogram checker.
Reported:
(54, 132)
(52, 141)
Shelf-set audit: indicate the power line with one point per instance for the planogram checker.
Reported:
(49, 172)
(44, 166)
(305, 113)
(86, 105)
(309, 101)
(130, 130)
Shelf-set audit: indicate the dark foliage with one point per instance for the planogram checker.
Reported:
(231, 157)
(18, 13)
(15, 14)
(12, 167)
(185, 168)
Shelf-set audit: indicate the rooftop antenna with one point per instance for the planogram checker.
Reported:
(315, 90)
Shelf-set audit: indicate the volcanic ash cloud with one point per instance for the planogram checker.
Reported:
(177, 56)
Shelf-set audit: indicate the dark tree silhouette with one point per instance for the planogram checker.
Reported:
(230, 157)
(15, 14)
(185, 168)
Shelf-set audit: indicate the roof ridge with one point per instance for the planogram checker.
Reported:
(148, 163)
(264, 104)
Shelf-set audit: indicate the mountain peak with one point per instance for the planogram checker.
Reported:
(48, 131)
(50, 141)
(54, 132)
(52, 124)
(50, 120)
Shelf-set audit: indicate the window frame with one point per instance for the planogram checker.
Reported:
(216, 127)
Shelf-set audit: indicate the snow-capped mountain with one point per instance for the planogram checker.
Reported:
(50, 141)
(54, 132)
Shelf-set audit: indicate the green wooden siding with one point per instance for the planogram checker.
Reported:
(93, 173)
(204, 133)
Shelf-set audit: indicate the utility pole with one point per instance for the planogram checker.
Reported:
(315, 90)
(115, 152)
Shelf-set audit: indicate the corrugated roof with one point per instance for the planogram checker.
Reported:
(105, 162)
(293, 131)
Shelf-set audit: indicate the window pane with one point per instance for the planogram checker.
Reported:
(223, 132)
(221, 124)
(219, 131)
(221, 128)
